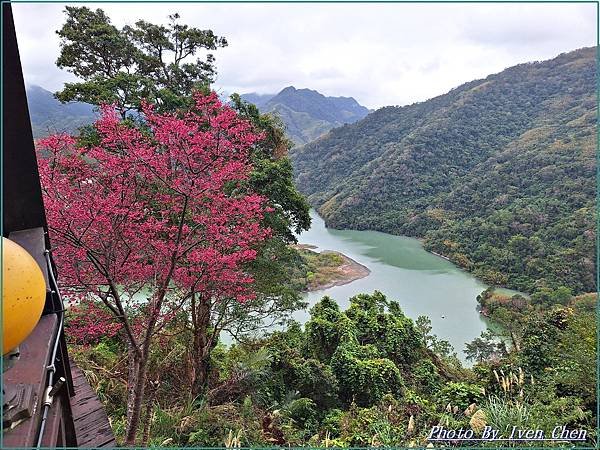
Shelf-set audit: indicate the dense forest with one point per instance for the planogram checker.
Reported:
(367, 376)
(498, 174)
(183, 274)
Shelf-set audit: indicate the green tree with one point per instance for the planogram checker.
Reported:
(381, 322)
(364, 375)
(547, 297)
(484, 347)
(125, 66)
(540, 339)
(272, 175)
(148, 62)
(327, 326)
(277, 294)
(438, 346)
(576, 367)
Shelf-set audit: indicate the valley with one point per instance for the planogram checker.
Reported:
(254, 263)
(422, 283)
(498, 175)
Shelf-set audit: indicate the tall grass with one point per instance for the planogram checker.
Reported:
(502, 414)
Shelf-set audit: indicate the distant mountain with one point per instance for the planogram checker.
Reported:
(308, 114)
(259, 100)
(48, 115)
(497, 174)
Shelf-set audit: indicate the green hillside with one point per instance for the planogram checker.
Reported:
(49, 116)
(308, 114)
(497, 174)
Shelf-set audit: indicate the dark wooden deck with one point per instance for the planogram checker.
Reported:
(91, 422)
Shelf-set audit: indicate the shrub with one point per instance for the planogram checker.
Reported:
(460, 394)
(364, 378)
(303, 412)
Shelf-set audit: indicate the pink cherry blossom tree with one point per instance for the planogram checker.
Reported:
(154, 220)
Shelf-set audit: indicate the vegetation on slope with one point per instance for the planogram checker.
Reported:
(367, 376)
(308, 114)
(49, 116)
(551, 336)
(498, 174)
(322, 270)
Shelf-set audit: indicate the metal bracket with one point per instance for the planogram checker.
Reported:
(52, 390)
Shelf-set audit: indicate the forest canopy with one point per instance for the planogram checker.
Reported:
(498, 174)
(175, 217)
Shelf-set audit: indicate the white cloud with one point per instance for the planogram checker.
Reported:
(381, 54)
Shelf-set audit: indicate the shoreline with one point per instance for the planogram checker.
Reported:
(345, 273)
(351, 270)
(441, 256)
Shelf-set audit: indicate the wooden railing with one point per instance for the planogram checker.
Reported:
(42, 406)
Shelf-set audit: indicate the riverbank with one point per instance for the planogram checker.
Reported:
(329, 268)
(437, 254)
(423, 284)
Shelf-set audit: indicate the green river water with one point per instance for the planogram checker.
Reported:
(423, 283)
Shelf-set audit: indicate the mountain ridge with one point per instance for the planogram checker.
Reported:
(417, 169)
(48, 115)
(306, 113)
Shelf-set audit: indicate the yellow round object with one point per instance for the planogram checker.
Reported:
(23, 294)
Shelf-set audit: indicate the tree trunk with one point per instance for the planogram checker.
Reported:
(135, 399)
(132, 372)
(201, 348)
(202, 369)
(137, 395)
(147, 423)
(515, 341)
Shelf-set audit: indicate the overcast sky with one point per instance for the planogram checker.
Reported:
(380, 54)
